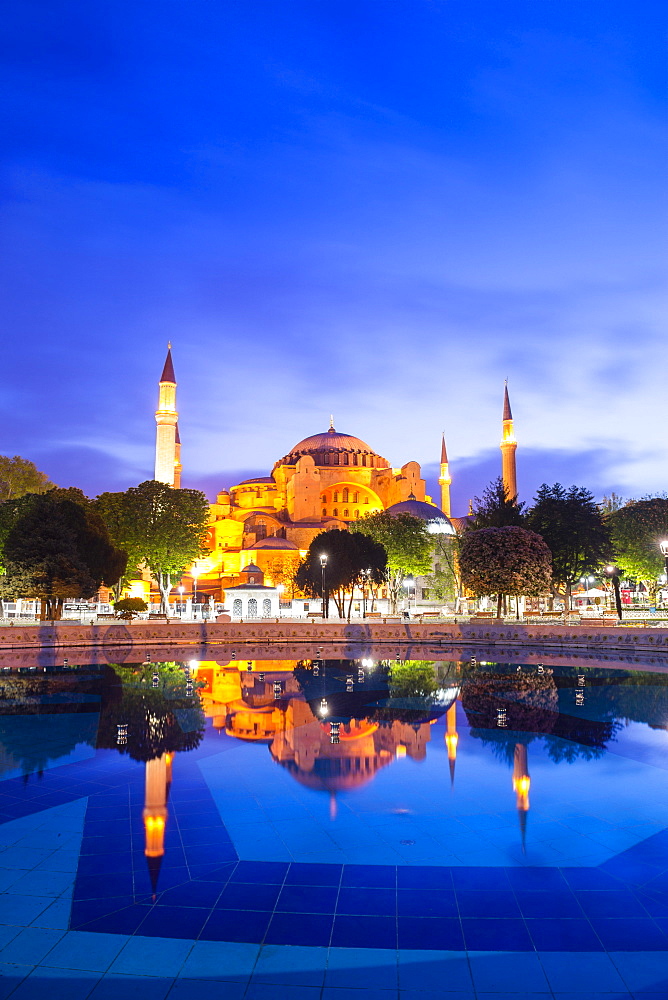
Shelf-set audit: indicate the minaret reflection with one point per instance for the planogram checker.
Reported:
(521, 784)
(452, 739)
(156, 791)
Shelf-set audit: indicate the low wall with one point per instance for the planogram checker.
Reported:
(143, 635)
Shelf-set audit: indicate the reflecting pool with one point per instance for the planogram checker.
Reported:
(449, 804)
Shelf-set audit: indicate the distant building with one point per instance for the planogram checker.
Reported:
(327, 480)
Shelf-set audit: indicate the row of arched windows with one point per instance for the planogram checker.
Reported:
(343, 458)
(345, 515)
(345, 497)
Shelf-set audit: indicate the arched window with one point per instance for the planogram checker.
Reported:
(363, 459)
(323, 499)
(355, 459)
(366, 499)
(336, 497)
(266, 607)
(252, 608)
(357, 513)
(335, 512)
(346, 513)
(324, 512)
(236, 607)
(356, 498)
(345, 495)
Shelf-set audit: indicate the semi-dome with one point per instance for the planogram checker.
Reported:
(328, 447)
(274, 542)
(437, 522)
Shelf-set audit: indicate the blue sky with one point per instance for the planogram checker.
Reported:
(377, 209)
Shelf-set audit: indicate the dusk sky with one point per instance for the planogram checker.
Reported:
(376, 209)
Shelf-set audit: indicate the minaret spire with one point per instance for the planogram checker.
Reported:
(508, 448)
(167, 442)
(445, 479)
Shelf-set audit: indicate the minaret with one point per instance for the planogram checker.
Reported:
(167, 457)
(508, 448)
(444, 479)
(452, 739)
(177, 459)
(521, 785)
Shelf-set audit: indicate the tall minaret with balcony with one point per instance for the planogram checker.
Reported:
(167, 442)
(508, 449)
(445, 479)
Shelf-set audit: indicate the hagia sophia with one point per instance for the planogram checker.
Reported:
(325, 481)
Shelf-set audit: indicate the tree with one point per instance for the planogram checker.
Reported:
(57, 547)
(349, 556)
(130, 607)
(444, 582)
(162, 527)
(282, 570)
(407, 543)
(497, 509)
(18, 476)
(119, 516)
(636, 531)
(575, 531)
(505, 561)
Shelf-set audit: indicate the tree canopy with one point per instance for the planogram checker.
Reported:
(352, 560)
(56, 546)
(164, 528)
(574, 528)
(407, 543)
(19, 476)
(505, 561)
(496, 509)
(636, 531)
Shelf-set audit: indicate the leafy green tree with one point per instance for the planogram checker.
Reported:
(407, 543)
(505, 561)
(130, 607)
(18, 476)
(119, 515)
(575, 531)
(496, 509)
(58, 547)
(162, 527)
(352, 559)
(444, 582)
(636, 530)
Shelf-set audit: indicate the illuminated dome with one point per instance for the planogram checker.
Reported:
(437, 522)
(334, 448)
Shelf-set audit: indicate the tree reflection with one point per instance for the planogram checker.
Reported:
(159, 720)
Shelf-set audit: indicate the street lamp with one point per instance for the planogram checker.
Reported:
(194, 572)
(325, 602)
(664, 552)
(409, 583)
(613, 573)
(587, 580)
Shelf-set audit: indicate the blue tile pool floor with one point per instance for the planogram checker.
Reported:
(580, 932)
(81, 916)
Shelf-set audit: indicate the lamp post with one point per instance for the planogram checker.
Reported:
(366, 576)
(180, 590)
(587, 580)
(664, 552)
(194, 572)
(409, 583)
(325, 602)
(613, 573)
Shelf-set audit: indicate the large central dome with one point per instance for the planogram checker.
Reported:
(334, 448)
